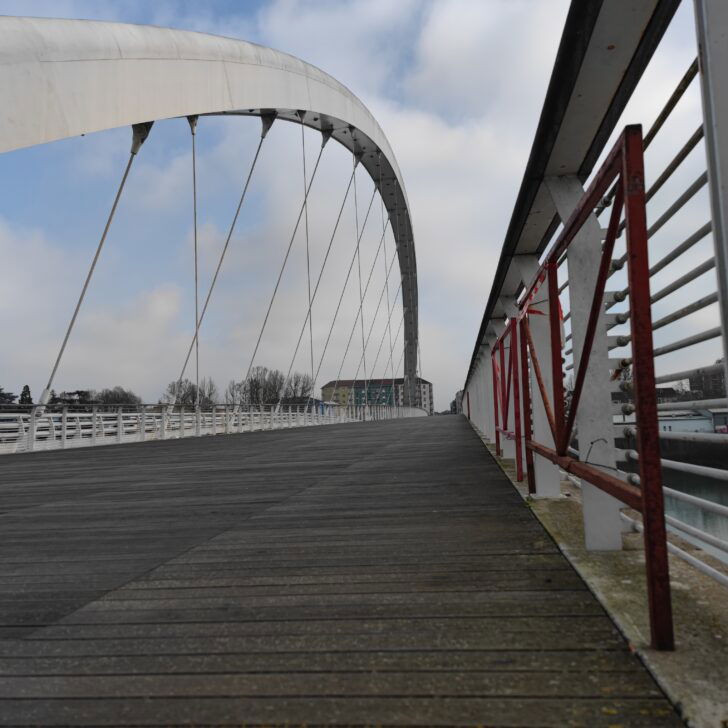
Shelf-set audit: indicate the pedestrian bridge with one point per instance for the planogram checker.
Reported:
(238, 562)
(373, 573)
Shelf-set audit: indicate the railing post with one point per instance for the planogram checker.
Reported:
(515, 369)
(602, 523)
(527, 408)
(143, 424)
(31, 430)
(643, 377)
(119, 425)
(163, 424)
(64, 427)
(94, 413)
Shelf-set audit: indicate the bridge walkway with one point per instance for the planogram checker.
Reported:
(374, 573)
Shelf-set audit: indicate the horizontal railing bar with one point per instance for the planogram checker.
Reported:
(675, 96)
(713, 333)
(676, 523)
(677, 160)
(691, 275)
(676, 206)
(657, 124)
(698, 533)
(694, 500)
(688, 341)
(667, 173)
(687, 373)
(619, 296)
(688, 243)
(693, 404)
(691, 468)
(622, 317)
(719, 576)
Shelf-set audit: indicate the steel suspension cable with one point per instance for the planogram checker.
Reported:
(359, 311)
(341, 296)
(139, 135)
(220, 260)
(312, 299)
(374, 318)
(285, 258)
(379, 349)
(193, 128)
(391, 363)
(358, 265)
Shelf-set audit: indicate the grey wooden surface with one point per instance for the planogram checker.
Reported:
(373, 573)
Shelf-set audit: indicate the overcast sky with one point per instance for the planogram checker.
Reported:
(457, 86)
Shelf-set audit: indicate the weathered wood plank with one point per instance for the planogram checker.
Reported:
(373, 573)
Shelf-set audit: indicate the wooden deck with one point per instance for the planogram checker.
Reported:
(376, 573)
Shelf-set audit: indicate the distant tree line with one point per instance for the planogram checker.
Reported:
(263, 386)
(110, 396)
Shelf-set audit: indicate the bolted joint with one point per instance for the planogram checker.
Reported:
(326, 135)
(267, 118)
(139, 132)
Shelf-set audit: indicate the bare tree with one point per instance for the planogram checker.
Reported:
(235, 393)
(208, 392)
(299, 386)
(185, 393)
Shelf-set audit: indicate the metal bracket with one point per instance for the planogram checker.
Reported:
(267, 120)
(140, 132)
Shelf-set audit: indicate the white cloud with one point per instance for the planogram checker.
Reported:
(457, 86)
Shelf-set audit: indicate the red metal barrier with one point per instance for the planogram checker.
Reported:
(623, 169)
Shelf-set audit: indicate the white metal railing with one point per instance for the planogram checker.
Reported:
(35, 428)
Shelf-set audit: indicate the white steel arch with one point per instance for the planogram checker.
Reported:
(63, 78)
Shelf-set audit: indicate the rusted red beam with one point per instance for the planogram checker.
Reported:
(507, 401)
(557, 371)
(539, 378)
(628, 494)
(527, 427)
(643, 377)
(513, 356)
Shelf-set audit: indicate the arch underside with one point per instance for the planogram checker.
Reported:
(64, 78)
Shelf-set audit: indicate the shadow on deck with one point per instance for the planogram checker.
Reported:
(376, 573)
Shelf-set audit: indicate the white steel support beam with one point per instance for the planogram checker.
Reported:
(508, 446)
(488, 384)
(602, 522)
(485, 380)
(711, 23)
